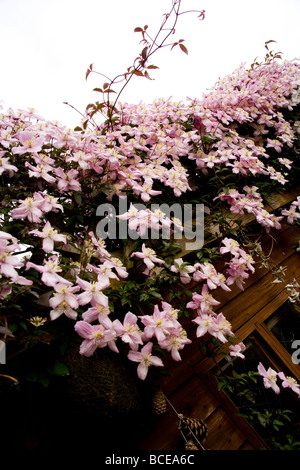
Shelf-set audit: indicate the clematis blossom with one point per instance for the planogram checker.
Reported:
(49, 271)
(67, 181)
(98, 312)
(289, 382)
(6, 166)
(230, 246)
(183, 269)
(64, 301)
(28, 209)
(149, 256)
(95, 336)
(49, 236)
(9, 262)
(203, 302)
(92, 292)
(237, 350)
(206, 324)
(138, 220)
(48, 203)
(129, 331)
(174, 342)
(158, 324)
(145, 359)
(29, 143)
(269, 377)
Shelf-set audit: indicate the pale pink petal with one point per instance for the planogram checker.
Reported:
(134, 356)
(142, 371)
(87, 348)
(48, 245)
(156, 361)
(84, 298)
(84, 329)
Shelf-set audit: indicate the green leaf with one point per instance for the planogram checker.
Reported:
(43, 379)
(78, 198)
(31, 376)
(58, 369)
(262, 420)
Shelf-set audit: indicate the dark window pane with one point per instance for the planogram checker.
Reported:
(261, 407)
(285, 325)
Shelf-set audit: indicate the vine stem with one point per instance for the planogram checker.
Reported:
(139, 66)
(10, 377)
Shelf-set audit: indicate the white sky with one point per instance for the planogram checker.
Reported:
(47, 45)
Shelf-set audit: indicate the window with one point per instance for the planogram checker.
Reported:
(270, 337)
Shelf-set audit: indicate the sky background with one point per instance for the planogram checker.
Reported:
(47, 45)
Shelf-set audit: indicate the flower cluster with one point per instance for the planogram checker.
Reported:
(53, 179)
(145, 220)
(251, 202)
(9, 262)
(293, 213)
(162, 325)
(270, 380)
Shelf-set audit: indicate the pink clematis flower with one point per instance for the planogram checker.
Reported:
(269, 376)
(174, 342)
(138, 220)
(202, 302)
(237, 350)
(104, 271)
(29, 143)
(29, 208)
(6, 166)
(145, 359)
(100, 247)
(49, 235)
(158, 324)
(237, 273)
(117, 264)
(92, 292)
(40, 171)
(291, 214)
(206, 324)
(64, 301)
(48, 203)
(95, 336)
(230, 246)
(63, 309)
(129, 331)
(9, 262)
(149, 256)
(145, 191)
(67, 181)
(223, 328)
(183, 269)
(207, 271)
(98, 312)
(289, 382)
(50, 269)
